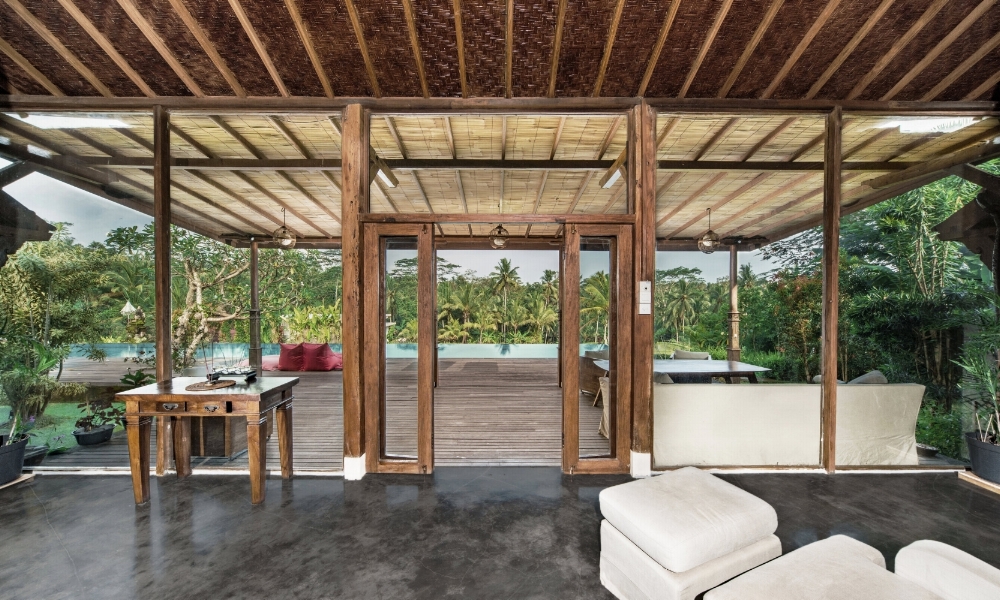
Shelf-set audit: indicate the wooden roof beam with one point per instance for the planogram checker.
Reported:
(223, 226)
(411, 26)
(285, 132)
(460, 46)
(791, 184)
(984, 179)
(557, 137)
(716, 137)
(851, 46)
(508, 61)
(394, 132)
(252, 206)
(723, 201)
(258, 45)
(609, 43)
(106, 45)
(897, 47)
(758, 34)
(556, 46)
(705, 46)
(609, 137)
(980, 53)
(208, 47)
(359, 33)
(160, 46)
(15, 171)
(307, 42)
(60, 48)
(800, 49)
(687, 201)
(672, 123)
(978, 153)
(485, 219)
(450, 135)
(30, 69)
(661, 40)
(579, 192)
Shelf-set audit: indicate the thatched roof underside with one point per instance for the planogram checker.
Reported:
(764, 202)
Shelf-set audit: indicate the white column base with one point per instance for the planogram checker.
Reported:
(642, 464)
(354, 467)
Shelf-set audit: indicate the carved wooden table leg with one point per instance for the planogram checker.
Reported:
(284, 418)
(164, 444)
(137, 429)
(182, 445)
(257, 453)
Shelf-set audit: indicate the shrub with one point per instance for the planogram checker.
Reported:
(941, 429)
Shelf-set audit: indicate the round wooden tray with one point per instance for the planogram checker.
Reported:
(204, 386)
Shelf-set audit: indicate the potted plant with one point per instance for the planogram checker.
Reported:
(98, 421)
(982, 388)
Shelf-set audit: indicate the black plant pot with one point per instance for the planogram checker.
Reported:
(97, 435)
(12, 461)
(34, 455)
(985, 457)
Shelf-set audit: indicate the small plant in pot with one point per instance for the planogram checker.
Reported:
(982, 388)
(98, 421)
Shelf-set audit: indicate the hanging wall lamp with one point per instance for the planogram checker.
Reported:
(709, 242)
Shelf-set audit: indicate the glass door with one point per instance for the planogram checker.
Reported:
(595, 350)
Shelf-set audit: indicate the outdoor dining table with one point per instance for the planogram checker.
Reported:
(730, 370)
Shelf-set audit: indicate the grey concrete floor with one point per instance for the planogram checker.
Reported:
(463, 532)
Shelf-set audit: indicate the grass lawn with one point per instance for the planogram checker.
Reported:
(57, 425)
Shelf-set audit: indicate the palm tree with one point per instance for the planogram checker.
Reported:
(464, 300)
(595, 302)
(541, 316)
(684, 298)
(550, 285)
(504, 278)
(485, 320)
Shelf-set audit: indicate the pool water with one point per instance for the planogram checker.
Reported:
(235, 352)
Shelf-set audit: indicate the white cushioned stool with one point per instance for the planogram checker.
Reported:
(676, 535)
(837, 568)
(947, 571)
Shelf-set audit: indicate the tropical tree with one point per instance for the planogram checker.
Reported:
(504, 280)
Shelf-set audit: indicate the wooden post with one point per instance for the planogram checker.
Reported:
(161, 276)
(256, 354)
(733, 352)
(354, 203)
(642, 201)
(569, 345)
(831, 284)
(426, 346)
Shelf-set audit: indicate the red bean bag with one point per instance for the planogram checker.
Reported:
(291, 358)
(318, 357)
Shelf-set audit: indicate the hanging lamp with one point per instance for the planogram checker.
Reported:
(498, 237)
(709, 242)
(283, 236)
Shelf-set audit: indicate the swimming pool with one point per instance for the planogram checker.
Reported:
(233, 352)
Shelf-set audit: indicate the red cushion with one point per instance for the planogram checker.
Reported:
(338, 361)
(318, 357)
(269, 363)
(291, 358)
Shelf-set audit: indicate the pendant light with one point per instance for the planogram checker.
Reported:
(283, 236)
(498, 237)
(709, 242)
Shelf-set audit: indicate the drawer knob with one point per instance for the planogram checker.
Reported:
(170, 406)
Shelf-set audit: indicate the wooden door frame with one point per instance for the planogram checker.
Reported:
(620, 310)
(374, 347)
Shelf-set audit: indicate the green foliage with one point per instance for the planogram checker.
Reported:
(137, 379)
(98, 412)
(940, 428)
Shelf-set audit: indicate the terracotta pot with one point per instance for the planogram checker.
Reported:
(985, 457)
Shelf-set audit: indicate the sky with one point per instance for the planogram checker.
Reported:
(93, 217)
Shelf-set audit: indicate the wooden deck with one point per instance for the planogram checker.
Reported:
(486, 412)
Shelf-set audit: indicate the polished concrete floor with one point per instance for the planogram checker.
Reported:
(463, 532)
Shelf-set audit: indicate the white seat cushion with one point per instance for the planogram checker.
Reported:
(687, 517)
(837, 568)
(947, 571)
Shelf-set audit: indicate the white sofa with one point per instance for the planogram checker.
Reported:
(779, 424)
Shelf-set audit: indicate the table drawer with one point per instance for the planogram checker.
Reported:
(148, 406)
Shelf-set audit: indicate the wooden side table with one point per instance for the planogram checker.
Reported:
(251, 400)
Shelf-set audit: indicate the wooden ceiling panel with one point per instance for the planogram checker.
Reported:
(584, 35)
(633, 46)
(388, 39)
(335, 41)
(532, 45)
(13, 77)
(274, 26)
(982, 71)
(727, 47)
(42, 56)
(435, 24)
(694, 20)
(483, 23)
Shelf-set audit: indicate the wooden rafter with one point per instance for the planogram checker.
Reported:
(274, 198)
(608, 45)
(160, 45)
(461, 191)
(252, 206)
(716, 137)
(661, 40)
(758, 34)
(508, 36)
(385, 194)
(791, 184)
(235, 215)
(460, 46)
(800, 49)
(984, 49)
(224, 227)
(258, 45)
(984, 87)
(697, 194)
(503, 137)
(615, 198)
(896, 48)
(286, 133)
(60, 48)
(672, 123)
(307, 42)
(411, 25)
(705, 46)
(723, 201)
(579, 193)
(556, 46)
(359, 33)
(787, 207)
(851, 46)
(609, 137)
(423, 194)
(208, 46)
(538, 200)
(975, 153)
(767, 139)
(394, 132)
(106, 45)
(450, 135)
(30, 69)
(556, 137)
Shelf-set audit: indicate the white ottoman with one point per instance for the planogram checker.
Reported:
(837, 568)
(947, 571)
(676, 535)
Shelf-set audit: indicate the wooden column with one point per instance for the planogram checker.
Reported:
(354, 202)
(161, 276)
(569, 342)
(831, 284)
(642, 201)
(256, 355)
(426, 347)
(733, 352)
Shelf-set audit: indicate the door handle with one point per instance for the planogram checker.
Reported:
(170, 406)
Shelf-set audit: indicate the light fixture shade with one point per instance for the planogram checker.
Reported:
(498, 237)
(709, 242)
(284, 237)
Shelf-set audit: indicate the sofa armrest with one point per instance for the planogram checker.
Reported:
(947, 571)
